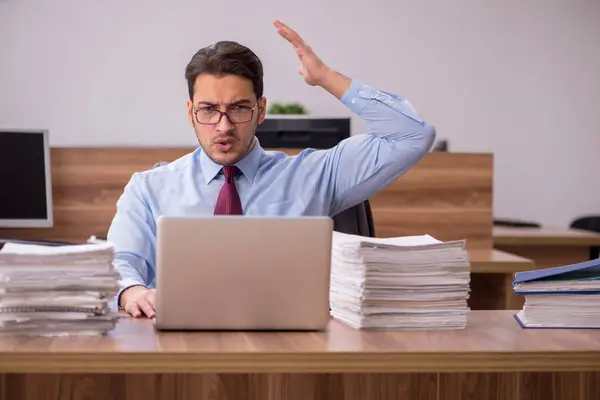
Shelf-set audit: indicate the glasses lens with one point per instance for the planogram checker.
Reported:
(240, 114)
(207, 116)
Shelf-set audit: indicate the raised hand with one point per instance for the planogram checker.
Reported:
(312, 69)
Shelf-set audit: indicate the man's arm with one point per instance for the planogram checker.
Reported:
(363, 164)
(133, 234)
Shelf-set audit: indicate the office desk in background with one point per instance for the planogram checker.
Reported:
(546, 246)
(492, 275)
(495, 261)
(492, 359)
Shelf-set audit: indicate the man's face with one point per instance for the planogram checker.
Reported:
(227, 141)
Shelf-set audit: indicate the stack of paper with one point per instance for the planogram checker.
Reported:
(414, 282)
(561, 297)
(57, 290)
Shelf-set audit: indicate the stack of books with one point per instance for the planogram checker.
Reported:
(414, 282)
(561, 297)
(57, 290)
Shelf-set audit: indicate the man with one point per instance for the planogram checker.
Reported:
(231, 174)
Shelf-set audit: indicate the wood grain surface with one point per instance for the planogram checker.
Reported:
(493, 261)
(544, 236)
(492, 274)
(548, 256)
(493, 342)
(547, 247)
(492, 359)
(446, 195)
(385, 386)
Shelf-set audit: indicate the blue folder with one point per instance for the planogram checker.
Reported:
(587, 271)
(580, 278)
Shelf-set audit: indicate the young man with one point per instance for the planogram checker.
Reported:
(231, 174)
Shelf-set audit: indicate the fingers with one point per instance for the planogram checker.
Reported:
(290, 35)
(146, 308)
(146, 304)
(152, 298)
(133, 309)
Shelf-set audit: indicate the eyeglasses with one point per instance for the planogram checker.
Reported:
(237, 114)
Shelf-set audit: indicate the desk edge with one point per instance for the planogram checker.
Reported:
(339, 362)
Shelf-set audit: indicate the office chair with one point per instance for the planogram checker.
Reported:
(589, 223)
(356, 220)
(516, 223)
(441, 146)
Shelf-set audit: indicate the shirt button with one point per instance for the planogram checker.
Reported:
(354, 99)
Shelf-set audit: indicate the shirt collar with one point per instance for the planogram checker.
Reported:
(248, 165)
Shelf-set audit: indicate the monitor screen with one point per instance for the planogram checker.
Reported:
(25, 185)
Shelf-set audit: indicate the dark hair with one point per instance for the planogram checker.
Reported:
(226, 58)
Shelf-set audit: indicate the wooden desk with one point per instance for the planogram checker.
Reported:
(498, 262)
(547, 246)
(492, 275)
(492, 359)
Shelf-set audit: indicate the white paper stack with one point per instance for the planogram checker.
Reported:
(57, 290)
(414, 282)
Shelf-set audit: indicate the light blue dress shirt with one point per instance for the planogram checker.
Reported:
(314, 182)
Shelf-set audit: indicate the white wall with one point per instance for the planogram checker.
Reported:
(520, 79)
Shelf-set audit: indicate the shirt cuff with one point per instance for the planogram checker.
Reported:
(358, 96)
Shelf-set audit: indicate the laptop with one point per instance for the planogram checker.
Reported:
(243, 273)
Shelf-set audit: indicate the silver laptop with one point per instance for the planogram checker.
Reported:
(243, 273)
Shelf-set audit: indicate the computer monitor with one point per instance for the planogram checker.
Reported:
(302, 131)
(25, 182)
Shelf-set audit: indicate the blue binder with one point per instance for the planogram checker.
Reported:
(586, 273)
(575, 279)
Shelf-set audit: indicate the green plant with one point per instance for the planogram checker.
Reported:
(287, 108)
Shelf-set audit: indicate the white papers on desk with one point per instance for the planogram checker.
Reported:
(413, 282)
(57, 290)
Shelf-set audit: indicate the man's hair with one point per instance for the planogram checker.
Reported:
(226, 58)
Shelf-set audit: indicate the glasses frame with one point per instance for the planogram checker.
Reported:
(222, 113)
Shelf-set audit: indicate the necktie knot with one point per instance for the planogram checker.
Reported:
(230, 171)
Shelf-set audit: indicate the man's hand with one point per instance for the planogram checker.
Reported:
(138, 301)
(312, 69)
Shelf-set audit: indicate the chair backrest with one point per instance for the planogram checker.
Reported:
(356, 220)
(589, 223)
(516, 223)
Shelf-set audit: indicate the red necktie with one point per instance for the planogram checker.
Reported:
(228, 202)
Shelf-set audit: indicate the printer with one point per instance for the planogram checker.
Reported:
(302, 131)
